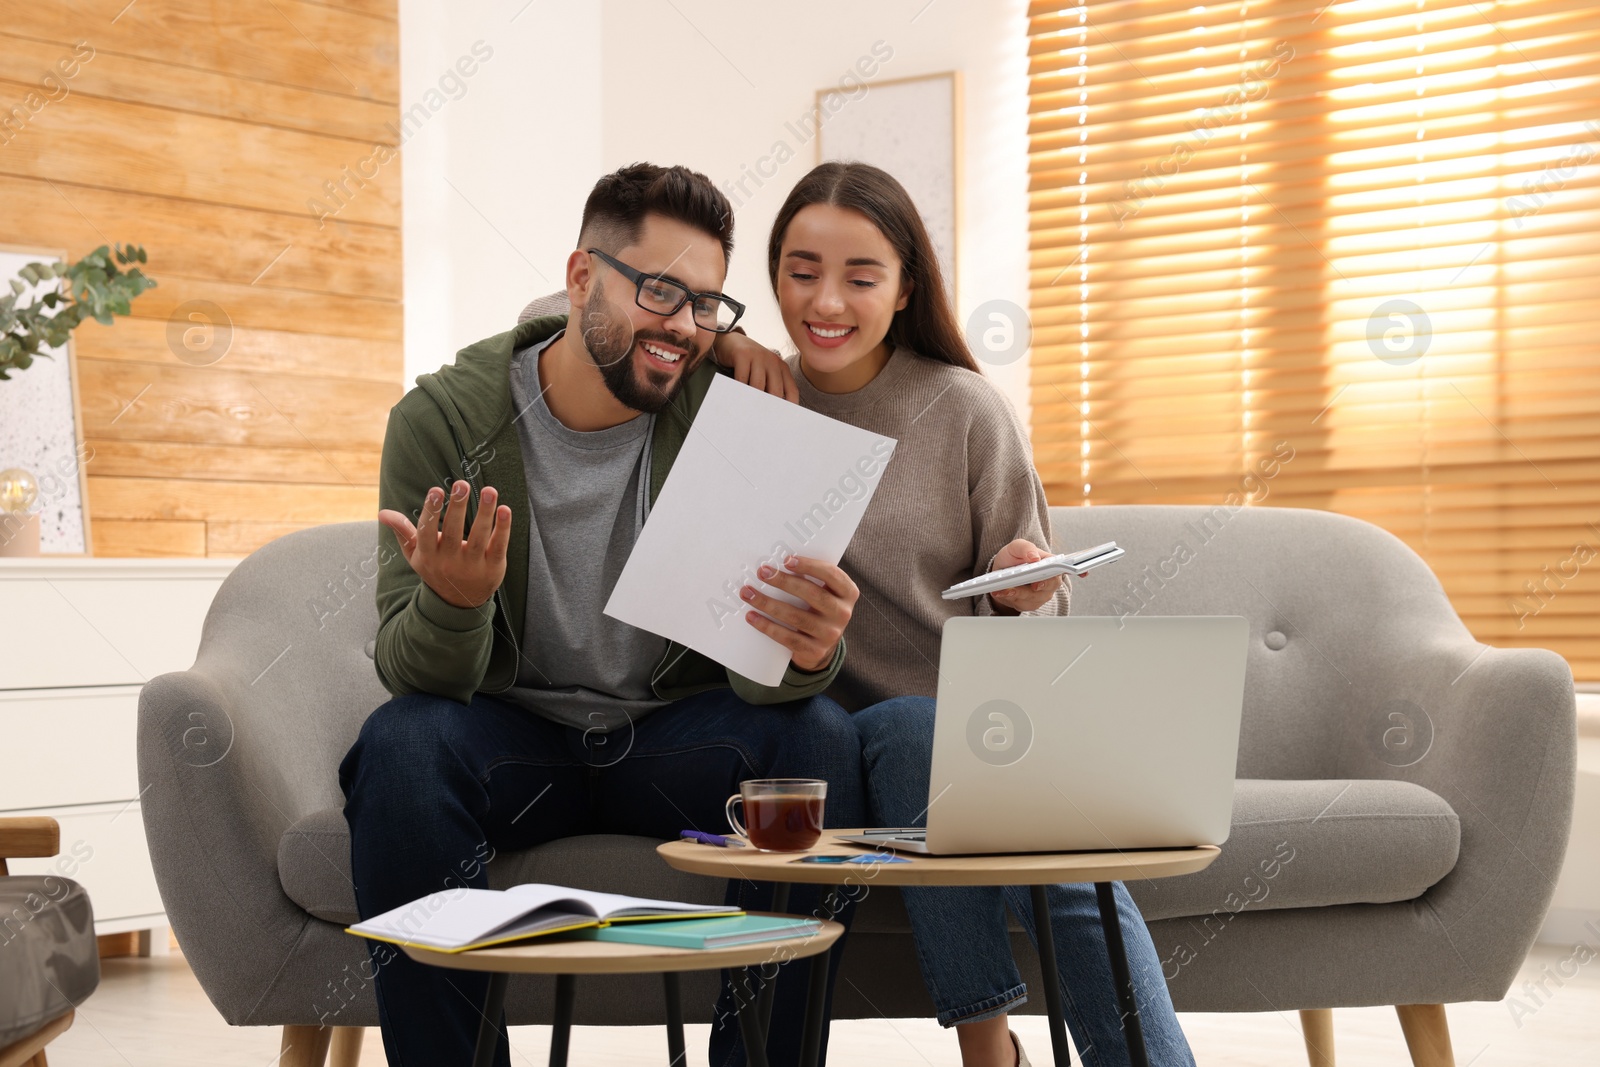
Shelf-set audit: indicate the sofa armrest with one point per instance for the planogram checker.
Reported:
(1503, 754)
(213, 829)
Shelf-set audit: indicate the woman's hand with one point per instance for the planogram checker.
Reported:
(1023, 597)
(811, 634)
(755, 365)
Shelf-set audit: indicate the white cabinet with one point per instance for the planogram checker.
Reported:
(80, 636)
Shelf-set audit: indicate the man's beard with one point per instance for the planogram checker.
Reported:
(609, 339)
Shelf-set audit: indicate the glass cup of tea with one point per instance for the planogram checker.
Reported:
(784, 814)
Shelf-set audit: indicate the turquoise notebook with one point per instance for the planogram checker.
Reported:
(702, 933)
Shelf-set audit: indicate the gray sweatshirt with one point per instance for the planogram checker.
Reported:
(960, 486)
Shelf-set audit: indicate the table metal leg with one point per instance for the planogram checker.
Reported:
(816, 1003)
(755, 1041)
(1052, 977)
(561, 1028)
(675, 1047)
(768, 987)
(489, 1026)
(1132, 1030)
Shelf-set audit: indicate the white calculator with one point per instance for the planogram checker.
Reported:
(1079, 563)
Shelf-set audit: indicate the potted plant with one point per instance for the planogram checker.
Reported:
(97, 288)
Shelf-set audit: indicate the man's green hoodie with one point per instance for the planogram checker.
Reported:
(458, 423)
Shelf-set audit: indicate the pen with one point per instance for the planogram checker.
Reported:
(712, 839)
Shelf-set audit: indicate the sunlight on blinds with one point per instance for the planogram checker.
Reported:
(1337, 256)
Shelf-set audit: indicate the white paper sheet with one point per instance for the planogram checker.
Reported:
(758, 478)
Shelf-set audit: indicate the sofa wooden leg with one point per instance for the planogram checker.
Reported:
(305, 1046)
(346, 1046)
(1427, 1034)
(1316, 1026)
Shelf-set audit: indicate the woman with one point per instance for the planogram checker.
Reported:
(878, 346)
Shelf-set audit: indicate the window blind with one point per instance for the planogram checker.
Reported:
(1362, 236)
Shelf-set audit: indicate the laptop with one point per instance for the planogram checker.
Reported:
(1083, 733)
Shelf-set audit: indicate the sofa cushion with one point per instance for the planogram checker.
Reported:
(1293, 845)
(1311, 844)
(49, 961)
(314, 867)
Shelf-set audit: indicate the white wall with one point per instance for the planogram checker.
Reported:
(495, 178)
(757, 67)
(574, 90)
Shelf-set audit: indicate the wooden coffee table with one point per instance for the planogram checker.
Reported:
(567, 959)
(1035, 869)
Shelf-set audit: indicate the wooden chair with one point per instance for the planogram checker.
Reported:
(21, 838)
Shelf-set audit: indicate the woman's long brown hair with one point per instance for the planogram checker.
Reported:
(927, 325)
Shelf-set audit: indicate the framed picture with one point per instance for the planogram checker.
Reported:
(41, 430)
(911, 127)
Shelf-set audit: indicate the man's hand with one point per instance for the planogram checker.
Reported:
(465, 573)
(755, 365)
(1023, 597)
(811, 634)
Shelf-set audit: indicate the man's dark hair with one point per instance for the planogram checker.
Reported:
(613, 217)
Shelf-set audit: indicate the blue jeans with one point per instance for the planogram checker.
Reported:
(435, 788)
(960, 931)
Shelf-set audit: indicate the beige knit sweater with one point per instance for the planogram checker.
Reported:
(960, 486)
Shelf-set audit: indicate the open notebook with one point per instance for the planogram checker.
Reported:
(455, 920)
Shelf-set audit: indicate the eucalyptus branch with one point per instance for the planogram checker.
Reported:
(97, 288)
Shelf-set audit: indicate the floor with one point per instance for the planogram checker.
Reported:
(150, 1012)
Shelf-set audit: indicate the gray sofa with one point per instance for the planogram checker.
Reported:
(1401, 813)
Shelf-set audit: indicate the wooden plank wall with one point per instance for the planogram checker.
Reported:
(201, 129)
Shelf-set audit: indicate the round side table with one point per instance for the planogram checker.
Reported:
(567, 959)
(1035, 869)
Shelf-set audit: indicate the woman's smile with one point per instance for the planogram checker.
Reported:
(827, 334)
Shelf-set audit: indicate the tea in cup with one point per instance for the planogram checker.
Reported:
(783, 814)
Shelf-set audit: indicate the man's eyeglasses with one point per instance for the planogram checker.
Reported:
(663, 296)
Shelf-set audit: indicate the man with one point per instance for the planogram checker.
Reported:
(522, 713)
